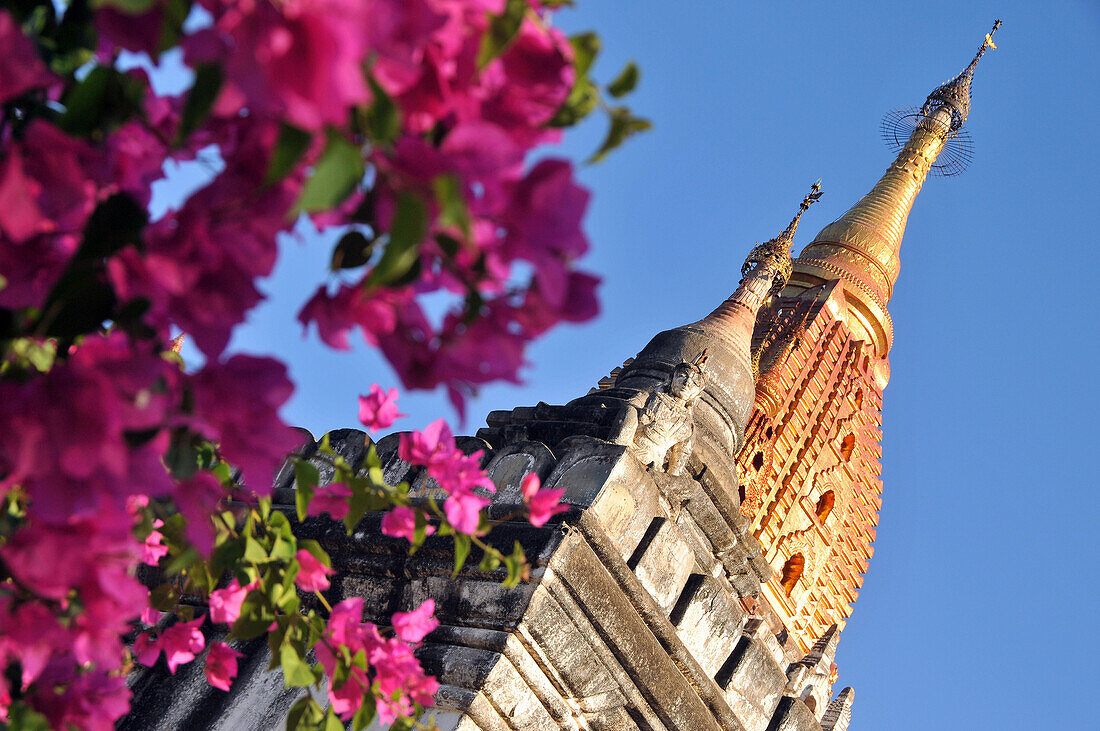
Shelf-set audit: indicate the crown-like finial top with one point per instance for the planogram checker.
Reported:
(777, 252)
(956, 93)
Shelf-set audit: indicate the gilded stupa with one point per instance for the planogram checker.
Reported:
(723, 488)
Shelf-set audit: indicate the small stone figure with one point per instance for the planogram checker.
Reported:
(663, 429)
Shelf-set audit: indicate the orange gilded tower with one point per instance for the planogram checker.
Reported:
(809, 467)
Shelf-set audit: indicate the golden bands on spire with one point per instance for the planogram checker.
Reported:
(862, 247)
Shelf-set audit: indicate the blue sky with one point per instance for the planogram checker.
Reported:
(977, 606)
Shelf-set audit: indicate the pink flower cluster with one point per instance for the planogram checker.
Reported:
(474, 126)
(542, 504)
(457, 473)
(85, 448)
(181, 643)
(86, 444)
(391, 665)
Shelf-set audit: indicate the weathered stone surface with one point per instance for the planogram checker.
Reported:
(588, 564)
(793, 715)
(567, 650)
(662, 562)
(709, 621)
(609, 480)
(753, 682)
(508, 468)
(394, 469)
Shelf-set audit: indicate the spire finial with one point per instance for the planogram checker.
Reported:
(777, 252)
(955, 94)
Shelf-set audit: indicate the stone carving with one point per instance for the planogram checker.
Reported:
(663, 430)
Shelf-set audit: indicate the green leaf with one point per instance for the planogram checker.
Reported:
(334, 177)
(283, 549)
(256, 616)
(254, 552)
(175, 13)
(365, 714)
(421, 532)
(625, 82)
(130, 7)
(20, 716)
(289, 148)
(585, 48)
(74, 39)
(502, 31)
(163, 598)
(296, 672)
(182, 458)
(383, 119)
(451, 202)
(358, 504)
(305, 715)
(105, 98)
(200, 100)
(489, 562)
(623, 126)
(306, 478)
(517, 564)
(352, 250)
(314, 548)
(582, 99)
(372, 459)
(584, 95)
(114, 223)
(332, 723)
(182, 562)
(410, 223)
(462, 550)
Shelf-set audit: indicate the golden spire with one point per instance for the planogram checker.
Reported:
(861, 248)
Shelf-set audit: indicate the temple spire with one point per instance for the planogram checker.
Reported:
(956, 93)
(766, 270)
(862, 247)
(774, 257)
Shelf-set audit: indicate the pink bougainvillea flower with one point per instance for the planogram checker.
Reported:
(398, 675)
(378, 409)
(412, 626)
(237, 405)
(146, 649)
(153, 549)
(181, 643)
(527, 84)
(150, 616)
(221, 665)
(132, 31)
(301, 59)
(463, 511)
(331, 499)
(225, 604)
(400, 522)
(196, 500)
(22, 69)
(542, 504)
(312, 574)
(433, 443)
(458, 472)
(331, 315)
